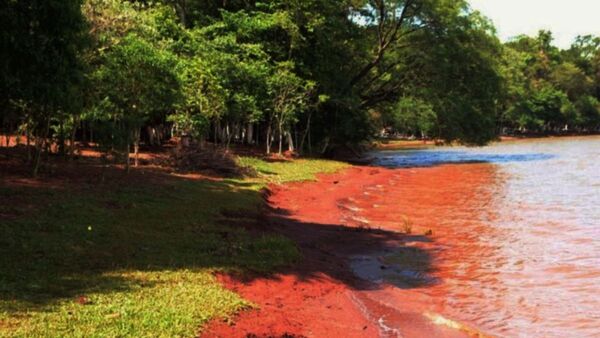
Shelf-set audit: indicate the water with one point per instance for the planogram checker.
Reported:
(512, 243)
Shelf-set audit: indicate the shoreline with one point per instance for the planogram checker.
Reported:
(400, 144)
(323, 295)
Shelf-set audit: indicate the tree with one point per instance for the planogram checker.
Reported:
(137, 81)
(290, 95)
(454, 68)
(317, 74)
(41, 70)
(412, 116)
(572, 80)
(203, 98)
(555, 89)
(582, 52)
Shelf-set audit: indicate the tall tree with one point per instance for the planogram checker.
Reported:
(41, 70)
(136, 82)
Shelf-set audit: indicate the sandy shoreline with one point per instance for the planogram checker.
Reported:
(322, 296)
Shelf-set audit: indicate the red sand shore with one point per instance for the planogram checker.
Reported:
(320, 296)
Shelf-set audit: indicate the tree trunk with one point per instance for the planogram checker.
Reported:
(295, 138)
(280, 130)
(61, 139)
(72, 140)
(216, 133)
(250, 133)
(224, 133)
(290, 142)
(181, 10)
(47, 145)
(202, 140)
(227, 135)
(306, 133)
(309, 143)
(28, 135)
(152, 134)
(269, 139)
(38, 156)
(325, 146)
(41, 142)
(136, 146)
(257, 133)
(127, 157)
(84, 138)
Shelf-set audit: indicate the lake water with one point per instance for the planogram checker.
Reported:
(512, 235)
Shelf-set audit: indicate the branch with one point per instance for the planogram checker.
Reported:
(386, 37)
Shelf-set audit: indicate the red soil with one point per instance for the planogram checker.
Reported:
(321, 297)
(314, 298)
(330, 220)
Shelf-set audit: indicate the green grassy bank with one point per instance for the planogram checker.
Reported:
(134, 259)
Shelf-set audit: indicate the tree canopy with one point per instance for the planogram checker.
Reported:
(309, 76)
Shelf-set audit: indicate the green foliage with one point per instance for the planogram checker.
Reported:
(136, 82)
(289, 95)
(203, 97)
(587, 112)
(218, 70)
(41, 43)
(543, 108)
(571, 79)
(412, 116)
(548, 90)
(41, 71)
(312, 74)
(454, 70)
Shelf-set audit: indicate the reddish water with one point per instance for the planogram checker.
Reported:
(513, 245)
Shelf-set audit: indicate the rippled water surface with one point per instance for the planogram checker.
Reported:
(513, 234)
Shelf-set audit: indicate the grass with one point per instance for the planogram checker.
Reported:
(298, 170)
(128, 259)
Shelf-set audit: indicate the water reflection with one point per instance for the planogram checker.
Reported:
(428, 158)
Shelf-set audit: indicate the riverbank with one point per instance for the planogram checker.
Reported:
(403, 144)
(314, 298)
(149, 252)
(91, 251)
(322, 296)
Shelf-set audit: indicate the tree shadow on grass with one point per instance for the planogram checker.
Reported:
(64, 240)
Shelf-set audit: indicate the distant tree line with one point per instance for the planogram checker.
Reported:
(550, 90)
(309, 76)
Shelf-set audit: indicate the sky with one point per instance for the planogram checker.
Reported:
(565, 18)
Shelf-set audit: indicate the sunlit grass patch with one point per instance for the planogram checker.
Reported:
(292, 171)
(148, 304)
